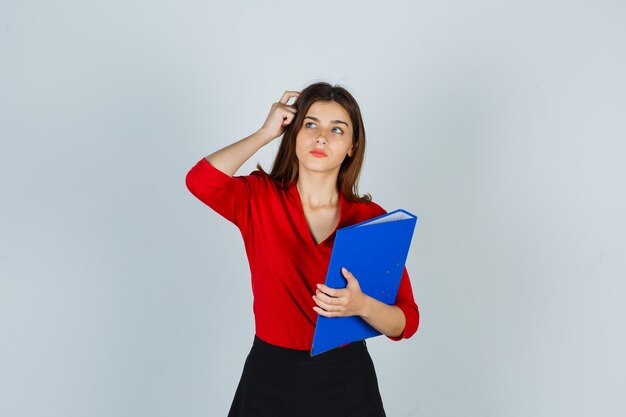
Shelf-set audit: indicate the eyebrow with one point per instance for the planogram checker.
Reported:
(332, 121)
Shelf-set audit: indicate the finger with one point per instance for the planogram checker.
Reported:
(333, 292)
(337, 293)
(321, 312)
(288, 118)
(287, 107)
(327, 299)
(283, 109)
(325, 306)
(286, 112)
(288, 95)
(348, 276)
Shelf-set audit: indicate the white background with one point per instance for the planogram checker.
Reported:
(501, 124)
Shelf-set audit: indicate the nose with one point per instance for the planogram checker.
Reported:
(321, 139)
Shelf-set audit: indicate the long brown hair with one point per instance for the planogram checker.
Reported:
(285, 168)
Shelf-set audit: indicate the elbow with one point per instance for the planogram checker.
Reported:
(189, 182)
(193, 183)
(397, 332)
(410, 324)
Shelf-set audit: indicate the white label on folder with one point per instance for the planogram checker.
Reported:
(390, 218)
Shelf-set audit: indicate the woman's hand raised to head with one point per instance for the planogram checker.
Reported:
(230, 158)
(281, 114)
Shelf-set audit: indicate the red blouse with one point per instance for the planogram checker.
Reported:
(285, 262)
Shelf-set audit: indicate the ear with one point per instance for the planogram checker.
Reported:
(351, 151)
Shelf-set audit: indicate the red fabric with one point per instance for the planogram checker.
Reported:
(285, 262)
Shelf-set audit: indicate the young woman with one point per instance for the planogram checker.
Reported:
(288, 220)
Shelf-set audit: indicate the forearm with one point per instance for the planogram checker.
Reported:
(230, 158)
(387, 319)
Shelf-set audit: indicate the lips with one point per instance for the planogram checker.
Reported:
(318, 153)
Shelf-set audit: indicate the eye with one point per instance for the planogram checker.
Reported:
(308, 123)
(338, 130)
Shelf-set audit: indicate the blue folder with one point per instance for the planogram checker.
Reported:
(375, 251)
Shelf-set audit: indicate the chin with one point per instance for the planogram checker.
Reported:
(318, 167)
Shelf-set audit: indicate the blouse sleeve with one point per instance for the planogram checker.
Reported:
(228, 196)
(406, 303)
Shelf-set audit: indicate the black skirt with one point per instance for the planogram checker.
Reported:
(279, 382)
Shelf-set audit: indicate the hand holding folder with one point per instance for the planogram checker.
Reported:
(375, 251)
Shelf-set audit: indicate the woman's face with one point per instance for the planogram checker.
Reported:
(325, 137)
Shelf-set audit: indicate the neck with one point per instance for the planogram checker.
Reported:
(317, 189)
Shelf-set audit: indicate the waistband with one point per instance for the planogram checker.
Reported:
(263, 347)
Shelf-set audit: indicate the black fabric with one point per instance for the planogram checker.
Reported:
(281, 382)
